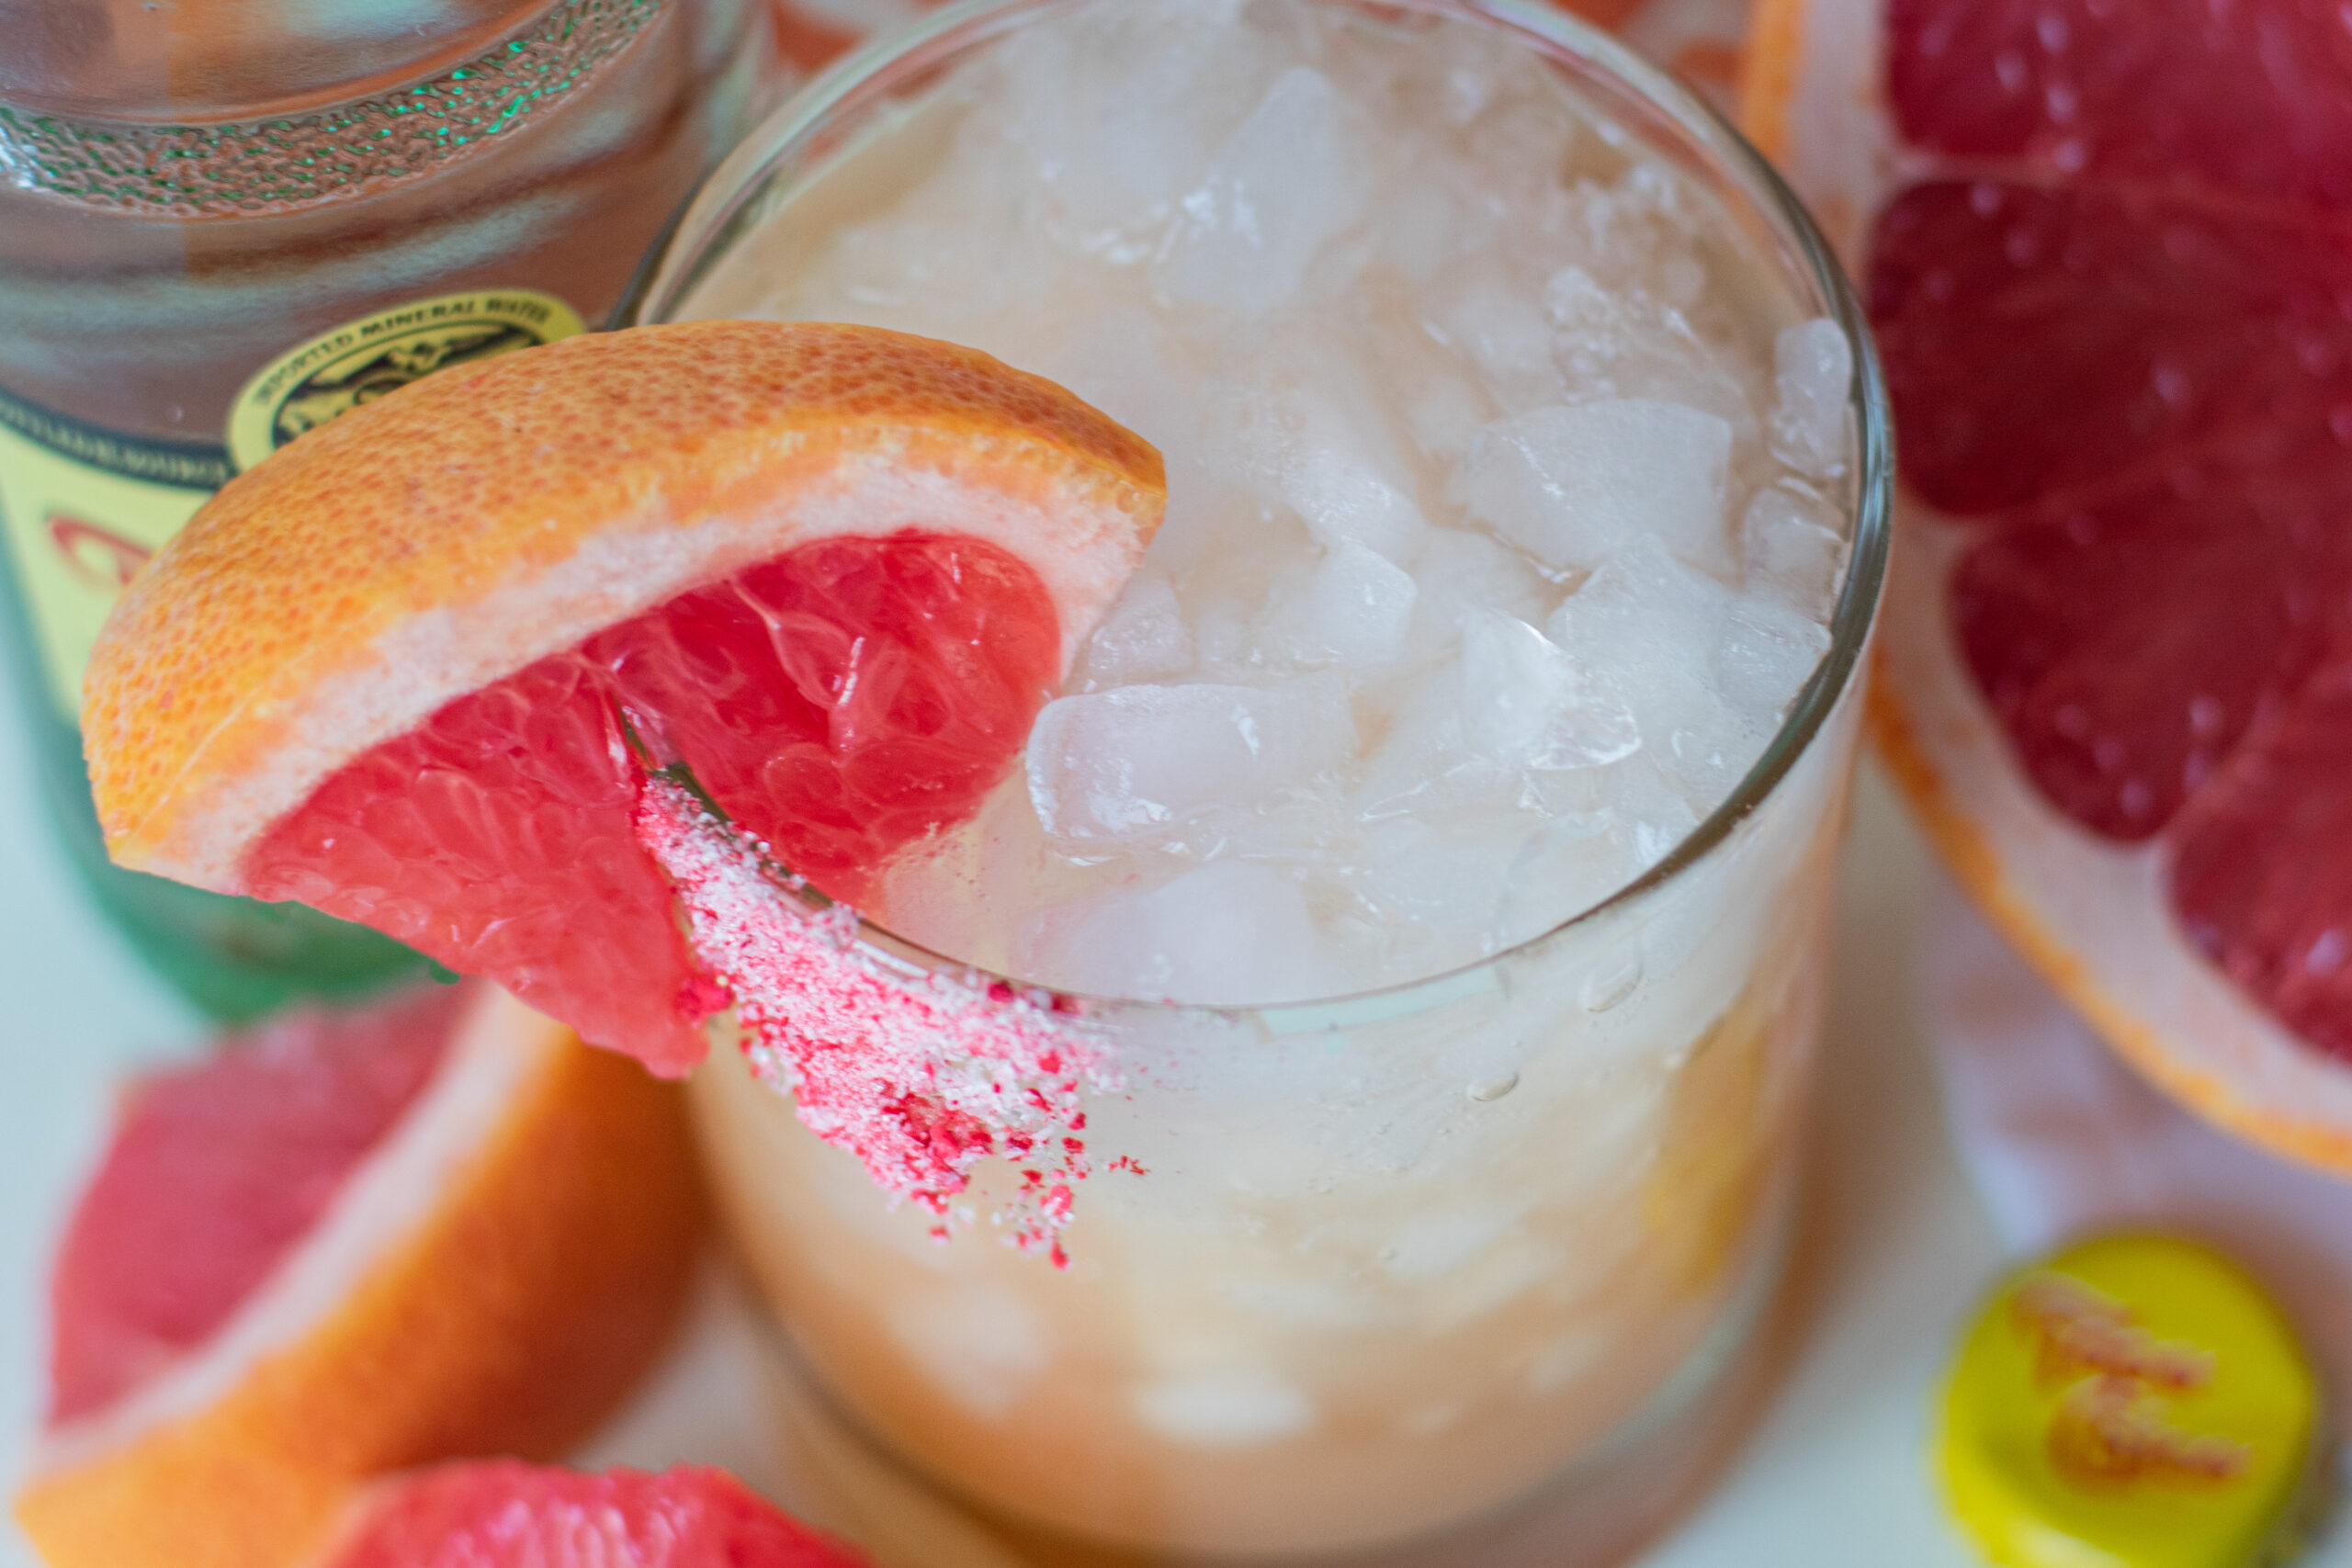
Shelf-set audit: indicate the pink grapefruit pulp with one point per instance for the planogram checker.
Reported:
(840, 702)
(2108, 256)
(346, 1245)
(502, 1513)
(2117, 320)
(216, 1171)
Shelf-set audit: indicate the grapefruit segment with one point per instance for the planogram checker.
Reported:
(2109, 260)
(2246, 98)
(2038, 340)
(485, 1235)
(216, 1171)
(417, 668)
(838, 703)
(2081, 624)
(2265, 860)
(499, 1514)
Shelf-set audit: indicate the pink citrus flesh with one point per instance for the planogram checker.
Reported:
(840, 702)
(216, 1171)
(2117, 321)
(504, 1514)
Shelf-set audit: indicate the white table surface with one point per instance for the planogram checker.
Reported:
(1833, 1475)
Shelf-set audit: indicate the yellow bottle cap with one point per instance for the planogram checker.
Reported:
(2134, 1402)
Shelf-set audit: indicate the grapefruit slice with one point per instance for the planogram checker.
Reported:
(502, 1513)
(417, 668)
(2108, 254)
(348, 1244)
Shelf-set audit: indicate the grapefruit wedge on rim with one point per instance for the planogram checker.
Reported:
(502, 1513)
(2108, 253)
(347, 1244)
(418, 669)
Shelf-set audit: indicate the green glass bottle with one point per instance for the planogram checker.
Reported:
(223, 223)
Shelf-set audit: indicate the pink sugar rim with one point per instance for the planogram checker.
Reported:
(920, 1075)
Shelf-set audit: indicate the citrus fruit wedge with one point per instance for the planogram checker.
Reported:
(348, 1244)
(2109, 260)
(417, 668)
(503, 1513)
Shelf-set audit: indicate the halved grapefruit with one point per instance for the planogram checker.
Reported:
(502, 1513)
(418, 669)
(348, 1244)
(2109, 259)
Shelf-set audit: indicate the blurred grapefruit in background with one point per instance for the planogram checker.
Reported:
(344, 1245)
(2107, 249)
(501, 1514)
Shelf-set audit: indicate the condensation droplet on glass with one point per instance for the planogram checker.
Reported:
(1487, 1091)
(1609, 988)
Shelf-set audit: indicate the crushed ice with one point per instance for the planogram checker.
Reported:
(1505, 526)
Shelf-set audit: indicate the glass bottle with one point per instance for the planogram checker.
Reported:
(225, 221)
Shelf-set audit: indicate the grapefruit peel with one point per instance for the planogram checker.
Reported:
(492, 1278)
(2092, 917)
(501, 582)
(341, 593)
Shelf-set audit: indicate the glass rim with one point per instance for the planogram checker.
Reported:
(707, 226)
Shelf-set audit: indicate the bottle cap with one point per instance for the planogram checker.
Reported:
(2135, 1401)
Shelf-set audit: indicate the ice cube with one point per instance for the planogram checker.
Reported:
(1143, 638)
(1353, 610)
(1116, 116)
(1794, 557)
(1129, 366)
(1460, 571)
(1444, 413)
(1618, 345)
(1526, 704)
(1573, 485)
(982, 1345)
(1231, 933)
(1503, 332)
(1417, 229)
(1645, 628)
(1444, 880)
(1302, 449)
(1650, 813)
(1425, 760)
(1812, 374)
(1768, 653)
(1233, 1409)
(1509, 707)
(1137, 760)
(1290, 177)
(1707, 674)
(1563, 867)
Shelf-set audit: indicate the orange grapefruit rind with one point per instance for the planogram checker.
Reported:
(2090, 915)
(340, 593)
(493, 1281)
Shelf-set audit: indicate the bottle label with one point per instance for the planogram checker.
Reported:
(362, 360)
(82, 506)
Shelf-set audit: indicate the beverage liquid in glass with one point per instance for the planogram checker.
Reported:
(225, 221)
(1434, 845)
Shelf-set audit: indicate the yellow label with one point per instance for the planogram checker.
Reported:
(359, 362)
(81, 508)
